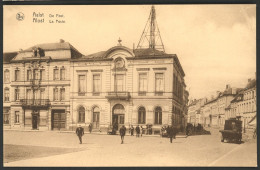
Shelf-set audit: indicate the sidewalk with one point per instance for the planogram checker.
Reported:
(94, 133)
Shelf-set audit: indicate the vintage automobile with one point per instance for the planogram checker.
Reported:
(232, 131)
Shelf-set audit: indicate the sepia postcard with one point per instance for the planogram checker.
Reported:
(129, 85)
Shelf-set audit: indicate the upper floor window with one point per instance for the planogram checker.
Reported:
(6, 76)
(6, 94)
(142, 84)
(42, 92)
(42, 75)
(55, 74)
(17, 75)
(96, 84)
(82, 84)
(158, 115)
(29, 75)
(119, 82)
(159, 83)
(62, 94)
(16, 94)
(36, 74)
(28, 94)
(55, 94)
(62, 74)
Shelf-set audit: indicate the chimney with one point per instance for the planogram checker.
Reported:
(249, 80)
(227, 86)
(62, 41)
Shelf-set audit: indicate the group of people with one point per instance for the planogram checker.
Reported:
(171, 132)
(138, 130)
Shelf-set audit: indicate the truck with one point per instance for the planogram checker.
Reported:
(232, 131)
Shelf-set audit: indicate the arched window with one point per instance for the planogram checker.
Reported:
(81, 114)
(141, 115)
(6, 94)
(158, 115)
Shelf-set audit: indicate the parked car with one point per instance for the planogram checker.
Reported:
(232, 131)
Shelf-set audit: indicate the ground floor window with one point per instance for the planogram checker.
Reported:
(81, 115)
(17, 118)
(141, 115)
(6, 118)
(158, 116)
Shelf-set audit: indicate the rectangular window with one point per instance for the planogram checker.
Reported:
(159, 84)
(62, 94)
(142, 84)
(119, 82)
(82, 85)
(17, 94)
(36, 74)
(42, 76)
(17, 117)
(6, 118)
(6, 95)
(55, 74)
(55, 94)
(62, 74)
(17, 75)
(6, 76)
(42, 94)
(29, 75)
(96, 84)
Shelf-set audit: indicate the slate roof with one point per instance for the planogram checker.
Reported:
(7, 57)
(148, 52)
(74, 53)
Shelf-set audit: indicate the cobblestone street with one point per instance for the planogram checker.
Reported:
(106, 150)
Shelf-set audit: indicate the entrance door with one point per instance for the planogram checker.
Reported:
(118, 115)
(96, 114)
(58, 119)
(34, 121)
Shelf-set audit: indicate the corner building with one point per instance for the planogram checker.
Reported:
(128, 87)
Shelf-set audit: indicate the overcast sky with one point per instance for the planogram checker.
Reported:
(216, 44)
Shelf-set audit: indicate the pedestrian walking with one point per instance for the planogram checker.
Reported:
(132, 130)
(90, 127)
(122, 131)
(170, 133)
(80, 133)
(141, 130)
(137, 130)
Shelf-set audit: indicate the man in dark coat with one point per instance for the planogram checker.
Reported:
(80, 133)
(132, 130)
(170, 133)
(137, 129)
(90, 127)
(122, 133)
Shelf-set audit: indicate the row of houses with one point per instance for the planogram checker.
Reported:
(53, 86)
(233, 102)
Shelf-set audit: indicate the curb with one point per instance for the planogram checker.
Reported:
(94, 133)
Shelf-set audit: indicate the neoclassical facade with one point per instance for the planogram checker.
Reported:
(54, 87)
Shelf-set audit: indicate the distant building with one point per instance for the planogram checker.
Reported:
(243, 106)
